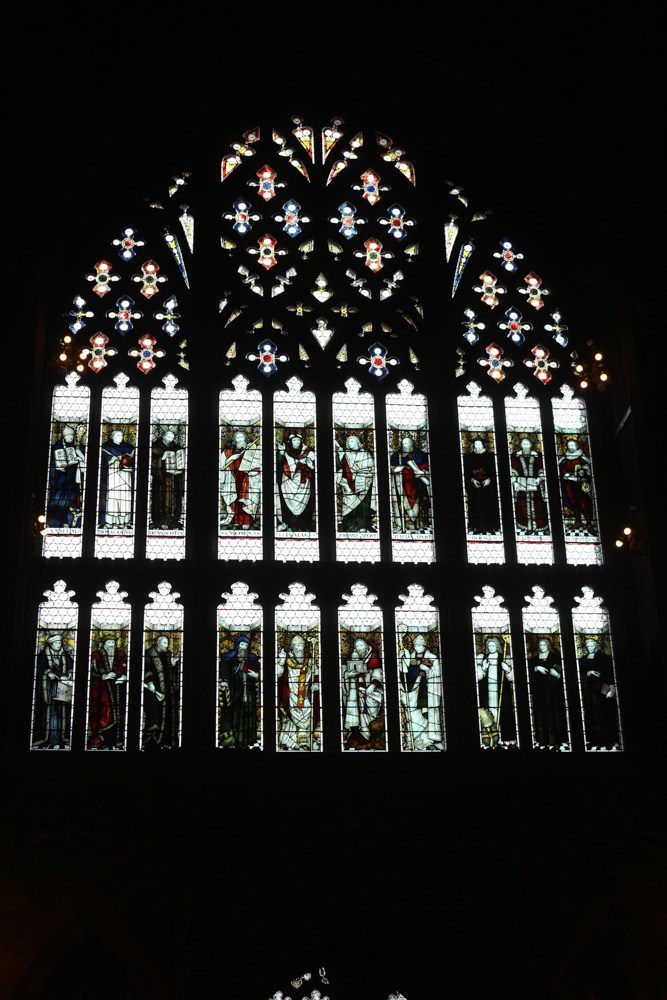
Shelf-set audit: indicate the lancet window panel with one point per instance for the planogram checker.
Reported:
(165, 537)
(114, 534)
(484, 535)
(240, 483)
(494, 672)
(422, 719)
(108, 678)
(162, 670)
(409, 476)
(53, 691)
(63, 528)
(362, 675)
(546, 680)
(530, 502)
(577, 485)
(357, 533)
(598, 687)
(298, 680)
(240, 681)
(296, 512)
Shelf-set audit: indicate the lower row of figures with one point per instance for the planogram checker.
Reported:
(363, 678)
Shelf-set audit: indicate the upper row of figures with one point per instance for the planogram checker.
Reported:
(301, 660)
(295, 451)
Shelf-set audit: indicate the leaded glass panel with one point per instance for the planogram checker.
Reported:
(109, 670)
(357, 537)
(240, 516)
(528, 478)
(577, 486)
(163, 672)
(240, 685)
(362, 682)
(63, 529)
(546, 684)
(53, 693)
(597, 674)
(410, 476)
(165, 538)
(419, 672)
(298, 687)
(114, 536)
(296, 482)
(494, 672)
(484, 535)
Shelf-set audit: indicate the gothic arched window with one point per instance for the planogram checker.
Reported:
(312, 380)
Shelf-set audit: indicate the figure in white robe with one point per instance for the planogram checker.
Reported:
(421, 697)
(298, 698)
(354, 476)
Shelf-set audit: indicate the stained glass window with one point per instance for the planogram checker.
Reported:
(480, 478)
(362, 683)
(577, 486)
(163, 672)
(494, 670)
(296, 483)
(240, 685)
(114, 536)
(528, 477)
(63, 529)
(53, 693)
(109, 670)
(410, 477)
(419, 672)
(168, 471)
(546, 683)
(298, 688)
(598, 688)
(240, 524)
(357, 537)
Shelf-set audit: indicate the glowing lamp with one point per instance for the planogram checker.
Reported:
(41, 519)
(619, 543)
(603, 377)
(63, 357)
(584, 385)
(627, 531)
(579, 368)
(598, 357)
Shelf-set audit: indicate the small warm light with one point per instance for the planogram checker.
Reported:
(603, 377)
(63, 357)
(79, 368)
(579, 368)
(619, 543)
(43, 531)
(584, 384)
(598, 357)
(67, 339)
(41, 519)
(627, 531)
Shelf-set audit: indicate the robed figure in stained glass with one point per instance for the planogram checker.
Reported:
(167, 471)
(66, 479)
(162, 696)
(410, 487)
(295, 471)
(354, 475)
(108, 685)
(598, 690)
(547, 695)
(116, 481)
(421, 696)
(240, 481)
(479, 468)
(529, 485)
(298, 697)
(239, 695)
(576, 480)
(54, 686)
(363, 698)
(495, 684)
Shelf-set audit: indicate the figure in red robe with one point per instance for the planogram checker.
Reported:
(575, 485)
(108, 684)
(240, 482)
